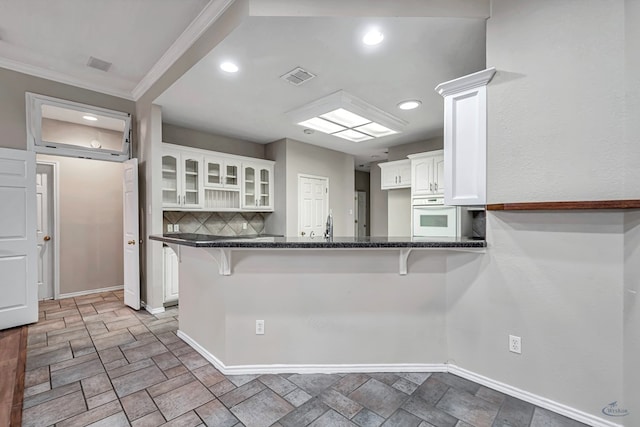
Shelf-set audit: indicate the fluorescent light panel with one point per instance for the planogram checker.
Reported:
(322, 125)
(345, 118)
(375, 129)
(353, 135)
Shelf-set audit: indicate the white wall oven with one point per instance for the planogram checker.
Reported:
(432, 218)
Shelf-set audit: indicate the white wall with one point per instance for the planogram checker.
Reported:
(339, 167)
(556, 105)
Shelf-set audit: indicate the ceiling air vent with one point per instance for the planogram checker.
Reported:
(297, 76)
(98, 64)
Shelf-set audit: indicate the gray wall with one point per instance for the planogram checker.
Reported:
(339, 167)
(90, 235)
(13, 86)
(631, 319)
(556, 115)
(363, 183)
(556, 132)
(632, 219)
(379, 209)
(276, 222)
(208, 141)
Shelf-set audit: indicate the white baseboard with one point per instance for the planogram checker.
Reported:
(534, 399)
(152, 310)
(400, 367)
(310, 369)
(90, 291)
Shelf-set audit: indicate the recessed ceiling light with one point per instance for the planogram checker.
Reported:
(229, 67)
(372, 38)
(410, 104)
(90, 118)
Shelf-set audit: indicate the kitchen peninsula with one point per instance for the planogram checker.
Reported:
(338, 305)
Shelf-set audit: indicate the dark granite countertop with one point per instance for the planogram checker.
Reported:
(270, 241)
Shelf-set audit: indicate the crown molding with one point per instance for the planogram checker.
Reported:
(59, 77)
(471, 81)
(210, 14)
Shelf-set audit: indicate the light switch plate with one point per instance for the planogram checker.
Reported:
(169, 228)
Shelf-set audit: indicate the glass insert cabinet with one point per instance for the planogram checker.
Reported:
(195, 179)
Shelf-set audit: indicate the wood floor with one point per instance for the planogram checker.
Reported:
(13, 355)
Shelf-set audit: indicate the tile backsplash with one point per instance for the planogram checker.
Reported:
(218, 223)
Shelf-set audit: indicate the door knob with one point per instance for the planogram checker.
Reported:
(47, 238)
(131, 242)
(302, 233)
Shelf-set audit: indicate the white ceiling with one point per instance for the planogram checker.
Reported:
(415, 56)
(55, 39)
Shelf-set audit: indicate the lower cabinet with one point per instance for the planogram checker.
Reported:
(170, 274)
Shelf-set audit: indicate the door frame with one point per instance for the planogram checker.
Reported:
(55, 167)
(326, 210)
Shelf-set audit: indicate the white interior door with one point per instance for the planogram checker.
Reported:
(44, 230)
(18, 249)
(131, 235)
(313, 205)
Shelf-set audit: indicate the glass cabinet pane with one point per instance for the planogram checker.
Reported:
(213, 173)
(264, 187)
(191, 187)
(169, 179)
(231, 176)
(249, 186)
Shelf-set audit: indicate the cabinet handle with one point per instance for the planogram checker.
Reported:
(400, 179)
(436, 186)
(431, 186)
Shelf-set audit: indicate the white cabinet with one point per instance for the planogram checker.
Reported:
(465, 138)
(194, 179)
(221, 172)
(170, 274)
(427, 174)
(396, 174)
(181, 179)
(257, 190)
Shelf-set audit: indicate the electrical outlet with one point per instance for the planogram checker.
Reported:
(515, 344)
(259, 327)
(169, 228)
(176, 227)
(244, 225)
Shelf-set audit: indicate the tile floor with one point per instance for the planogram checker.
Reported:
(93, 361)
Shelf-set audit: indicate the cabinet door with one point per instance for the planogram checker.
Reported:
(422, 184)
(192, 181)
(249, 199)
(231, 176)
(438, 174)
(265, 174)
(389, 177)
(213, 172)
(404, 175)
(171, 180)
(170, 275)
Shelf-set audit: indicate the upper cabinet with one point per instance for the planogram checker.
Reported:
(194, 179)
(258, 186)
(465, 138)
(222, 172)
(427, 174)
(396, 174)
(181, 179)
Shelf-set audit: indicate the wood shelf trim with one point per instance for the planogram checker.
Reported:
(569, 205)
